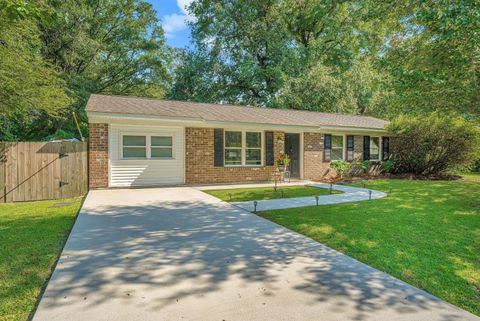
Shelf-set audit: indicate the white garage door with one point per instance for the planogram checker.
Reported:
(146, 156)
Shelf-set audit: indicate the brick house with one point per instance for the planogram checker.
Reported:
(146, 142)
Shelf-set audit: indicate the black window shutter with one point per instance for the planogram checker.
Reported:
(327, 147)
(218, 147)
(386, 148)
(350, 147)
(366, 147)
(269, 152)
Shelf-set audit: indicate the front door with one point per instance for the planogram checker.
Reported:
(292, 149)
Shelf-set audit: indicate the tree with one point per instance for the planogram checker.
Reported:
(112, 46)
(286, 53)
(249, 44)
(27, 80)
(361, 89)
(434, 61)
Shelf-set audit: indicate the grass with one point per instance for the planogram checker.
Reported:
(267, 193)
(426, 233)
(32, 235)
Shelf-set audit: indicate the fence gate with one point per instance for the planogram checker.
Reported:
(33, 171)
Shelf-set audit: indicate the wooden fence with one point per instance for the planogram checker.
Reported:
(33, 171)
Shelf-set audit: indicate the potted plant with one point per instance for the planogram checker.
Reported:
(283, 162)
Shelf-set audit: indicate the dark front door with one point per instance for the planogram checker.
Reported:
(292, 149)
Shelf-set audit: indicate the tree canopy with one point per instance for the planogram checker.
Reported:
(380, 58)
(111, 46)
(363, 57)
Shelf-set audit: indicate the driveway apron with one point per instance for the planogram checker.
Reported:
(180, 254)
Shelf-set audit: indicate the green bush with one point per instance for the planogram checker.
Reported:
(387, 166)
(366, 164)
(340, 167)
(476, 166)
(433, 144)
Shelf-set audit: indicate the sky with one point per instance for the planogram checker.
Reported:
(174, 17)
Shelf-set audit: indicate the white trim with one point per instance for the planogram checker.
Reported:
(95, 117)
(148, 146)
(344, 138)
(301, 155)
(184, 155)
(328, 129)
(379, 148)
(110, 147)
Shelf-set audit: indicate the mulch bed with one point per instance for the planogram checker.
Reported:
(363, 177)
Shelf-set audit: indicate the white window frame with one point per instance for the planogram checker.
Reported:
(343, 147)
(148, 138)
(379, 148)
(244, 147)
(150, 149)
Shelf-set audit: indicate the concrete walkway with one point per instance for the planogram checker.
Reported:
(180, 254)
(350, 194)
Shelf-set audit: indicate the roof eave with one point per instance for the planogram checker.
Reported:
(110, 117)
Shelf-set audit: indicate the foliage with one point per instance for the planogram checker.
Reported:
(387, 166)
(433, 144)
(27, 80)
(357, 90)
(424, 233)
(433, 59)
(341, 167)
(33, 234)
(272, 53)
(91, 47)
(361, 57)
(476, 166)
(283, 160)
(365, 165)
(266, 193)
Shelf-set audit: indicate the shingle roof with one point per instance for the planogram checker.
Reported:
(227, 113)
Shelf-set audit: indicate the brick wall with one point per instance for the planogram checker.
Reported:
(98, 155)
(199, 155)
(314, 166)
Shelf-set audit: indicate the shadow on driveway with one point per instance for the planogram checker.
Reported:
(180, 254)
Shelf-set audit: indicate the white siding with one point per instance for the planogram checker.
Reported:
(145, 172)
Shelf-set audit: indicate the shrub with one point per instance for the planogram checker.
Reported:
(365, 166)
(340, 167)
(476, 166)
(432, 144)
(387, 166)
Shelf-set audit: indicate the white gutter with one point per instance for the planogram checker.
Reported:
(91, 114)
(200, 122)
(358, 129)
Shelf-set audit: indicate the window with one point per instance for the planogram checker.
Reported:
(350, 148)
(134, 147)
(243, 148)
(233, 148)
(254, 148)
(147, 147)
(337, 147)
(375, 148)
(161, 147)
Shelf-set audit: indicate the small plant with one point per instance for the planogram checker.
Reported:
(283, 162)
(340, 167)
(386, 166)
(366, 164)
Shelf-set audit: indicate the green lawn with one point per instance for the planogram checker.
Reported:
(267, 193)
(32, 235)
(426, 233)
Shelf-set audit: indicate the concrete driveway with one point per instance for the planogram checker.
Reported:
(180, 254)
